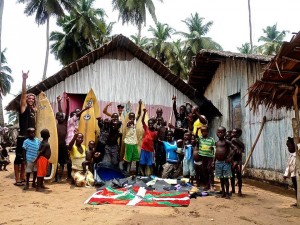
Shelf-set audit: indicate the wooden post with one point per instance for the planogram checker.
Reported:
(254, 144)
(295, 124)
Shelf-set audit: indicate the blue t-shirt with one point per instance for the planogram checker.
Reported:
(188, 152)
(171, 149)
(31, 147)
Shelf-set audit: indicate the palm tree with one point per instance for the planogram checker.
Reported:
(5, 82)
(43, 9)
(160, 48)
(250, 26)
(195, 38)
(83, 30)
(177, 60)
(134, 11)
(247, 49)
(142, 42)
(272, 40)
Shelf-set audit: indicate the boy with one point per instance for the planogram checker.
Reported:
(188, 160)
(181, 123)
(4, 157)
(237, 150)
(131, 144)
(31, 146)
(172, 167)
(102, 138)
(206, 151)
(290, 170)
(113, 145)
(42, 159)
(146, 157)
(160, 154)
(89, 158)
(196, 121)
(223, 162)
(62, 124)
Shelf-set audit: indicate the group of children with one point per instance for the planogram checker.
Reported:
(36, 155)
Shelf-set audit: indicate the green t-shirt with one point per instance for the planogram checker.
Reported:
(206, 146)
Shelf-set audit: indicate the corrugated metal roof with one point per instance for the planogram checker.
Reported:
(206, 62)
(120, 42)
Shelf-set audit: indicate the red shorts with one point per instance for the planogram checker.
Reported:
(42, 166)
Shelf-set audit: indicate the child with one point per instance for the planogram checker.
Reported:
(181, 123)
(89, 158)
(146, 157)
(131, 144)
(172, 167)
(290, 170)
(160, 154)
(102, 138)
(223, 162)
(4, 157)
(42, 160)
(237, 150)
(62, 123)
(31, 146)
(228, 135)
(188, 160)
(206, 151)
(113, 145)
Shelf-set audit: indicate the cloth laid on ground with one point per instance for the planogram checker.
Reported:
(139, 196)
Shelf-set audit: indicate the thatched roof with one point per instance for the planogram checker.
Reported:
(277, 86)
(124, 43)
(206, 62)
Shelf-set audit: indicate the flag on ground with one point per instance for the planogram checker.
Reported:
(138, 196)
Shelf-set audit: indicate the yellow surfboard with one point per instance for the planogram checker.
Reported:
(139, 126)
(88, 123)
(45, 119)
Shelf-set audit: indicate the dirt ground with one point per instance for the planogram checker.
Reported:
(63, 204)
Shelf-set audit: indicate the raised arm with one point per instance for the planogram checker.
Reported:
(59, 104)
(67, 109)
(105, 110)
(86, 108)
(174, 105)
(23, 95)
(140, 110)
(202, 118)
(72, 142)
(143, 118)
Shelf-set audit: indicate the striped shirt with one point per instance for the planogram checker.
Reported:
(206, 147)
(31, 147)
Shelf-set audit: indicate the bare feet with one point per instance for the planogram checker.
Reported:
(240, 194)
(44, 187)
(227, 196)
(26, 187)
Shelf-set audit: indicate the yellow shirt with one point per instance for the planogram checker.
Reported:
(77, 158)
(197, 124)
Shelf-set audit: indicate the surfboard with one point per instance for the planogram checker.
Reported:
(139, 125)
(88, 122)
(45, 119)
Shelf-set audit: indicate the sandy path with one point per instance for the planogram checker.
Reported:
(64, 205)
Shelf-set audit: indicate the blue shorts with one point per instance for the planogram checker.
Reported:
(223, 169)
(146, 158)
(188, 167)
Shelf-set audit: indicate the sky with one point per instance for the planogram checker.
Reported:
(25, 41)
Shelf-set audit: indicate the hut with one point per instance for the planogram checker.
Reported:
(224, 78)
(278, 89)
(119, 72)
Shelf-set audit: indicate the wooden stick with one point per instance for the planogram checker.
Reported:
(295, 124)
(254, 144)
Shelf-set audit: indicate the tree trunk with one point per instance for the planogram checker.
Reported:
(1, 14)
(250, 27)
(47, 50)
(139, 31)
